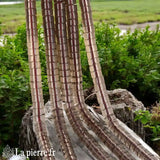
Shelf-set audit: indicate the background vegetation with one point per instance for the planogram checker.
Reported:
(151, 122)
(130, 61)
(15, 96)
(111, 11)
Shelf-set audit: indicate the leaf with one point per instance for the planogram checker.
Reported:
(156, 139)
(144, 120)
(154, 129)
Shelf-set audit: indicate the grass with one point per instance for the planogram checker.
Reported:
(112, 11)
(11, 16)
(126, 11)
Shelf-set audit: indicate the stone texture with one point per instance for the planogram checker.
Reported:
(124, 105)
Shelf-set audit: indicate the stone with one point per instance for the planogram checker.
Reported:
(124, 105)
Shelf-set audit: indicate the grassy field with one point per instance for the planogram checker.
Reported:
(112, 11)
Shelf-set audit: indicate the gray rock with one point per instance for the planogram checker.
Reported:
(123, 103)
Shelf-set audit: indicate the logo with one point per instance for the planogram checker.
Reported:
(7, 152)
(15, 154)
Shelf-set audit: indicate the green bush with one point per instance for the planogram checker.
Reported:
(130, 61)
(14, 91)
(150, 120)
(15, 97)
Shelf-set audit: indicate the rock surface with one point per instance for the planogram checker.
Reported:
(119, 98)
(123, 103)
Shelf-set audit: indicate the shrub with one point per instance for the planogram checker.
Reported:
(128, 61)
(15, 95)
(151, 120)
(14, 91)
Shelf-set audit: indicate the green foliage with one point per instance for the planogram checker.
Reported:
(14, 89)
(143, 116)
(15, 95)
(130, 61)
(151, 121)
